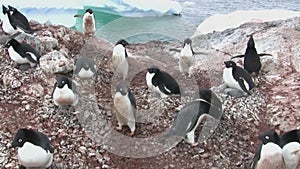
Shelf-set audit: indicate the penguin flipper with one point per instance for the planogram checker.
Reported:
(264, 54)
(29, 57)
(78, 16)
(238, 56)
(241, 81)
(256, 157)
(199, 53)
(175, 50)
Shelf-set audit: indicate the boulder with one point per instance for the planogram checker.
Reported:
(56, 62)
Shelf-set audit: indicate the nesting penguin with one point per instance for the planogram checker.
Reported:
(64, 92)
(20, 17)
(187, 58)
(22, 53)
(237, 78)
(290, 143)
(251, 58)
(125, 106)
(85, 68)
(12, 24)
(34, 148)
(206, 105)
(268, 154)
(161, 82)
(88, 23)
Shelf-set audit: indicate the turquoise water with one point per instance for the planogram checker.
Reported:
(169, 28)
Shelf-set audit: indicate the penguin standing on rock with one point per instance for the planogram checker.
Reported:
(290, 143)
(187, 58)
(251, 58)
(125, 106)
(269, 154)
(20, 17)
(88, 23)
(22, 53)
(12, 25)
(161, 82)
(206, 105)
(119, 58)
(34, 149)
(237, 78)
(64, 92)
(84, 68)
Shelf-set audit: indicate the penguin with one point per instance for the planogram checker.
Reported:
(237, 77)
(64, 92)
(161, 82)
(119, 54)
(187, 58)
(290, 143)
(34, 148)
(20, 17)
(84, 68)
(268, 155)
(204, 106)
(88, 23)
(12, 25)
(22, 53)
(251, 58)
(125, 106)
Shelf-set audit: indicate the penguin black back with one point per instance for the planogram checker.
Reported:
(291, 136)
(29, 135)
(20, 17)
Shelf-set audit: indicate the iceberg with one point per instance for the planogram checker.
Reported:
(57, 11)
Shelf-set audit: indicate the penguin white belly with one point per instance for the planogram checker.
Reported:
(31, 155)
(64, 96)
(88, 23)
(124, 108)
(291, 155)
(85, 74)
(149, 77)
(118, 56)
(186, 60)
(6, 26)
(230, 81)
(270, 157)
(16, 57)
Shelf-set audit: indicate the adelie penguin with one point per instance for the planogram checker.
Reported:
(125, 106)
(22, 53)
(251, 58)
(14, 24)
(64, 92)
(206, 105)
(20, 17)
(290, 143)
(119, 58)
(34, 149)
(237, 78)
(85, 68)
(269, 154)
(88, 22)
(161, 82)
(187, 58)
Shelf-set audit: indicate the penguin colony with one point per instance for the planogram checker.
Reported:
(35, 149)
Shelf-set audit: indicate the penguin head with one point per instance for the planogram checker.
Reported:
(11, 42)
(251, 43)
(122, 42)
(4, 10)
(269, 137)
(290, 136)
(23, 135)
(62, 81)
(89, 10)
(153, 69)
(229, 64)
(122, 88)
(204, 94)
(187, 41)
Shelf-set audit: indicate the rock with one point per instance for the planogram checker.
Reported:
(30, 39)
(56, 62)
(49, 43)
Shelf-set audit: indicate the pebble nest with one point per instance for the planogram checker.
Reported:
(77, 134)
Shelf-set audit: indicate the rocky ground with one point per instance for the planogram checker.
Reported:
(84, 135)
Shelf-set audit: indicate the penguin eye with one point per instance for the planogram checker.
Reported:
(267, 137)
(63, 82)
(20, 140)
